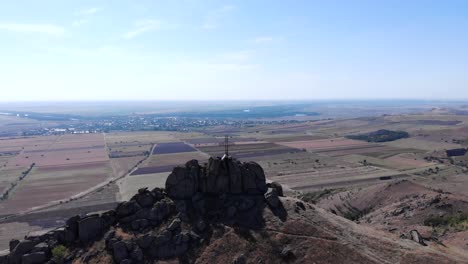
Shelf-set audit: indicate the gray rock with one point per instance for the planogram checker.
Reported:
(144, 198)
(415, 236)
(58, 234)
(182, 183)
(254, 178)
(137, 255)
(109, 218)
(140, 224)
(13, 243)
(120, 251)
(241, 259)
(42, 247)
(174, 225)
(145, 241)
(287, 252)
(278, 187)
(90, 228)
(271, 197)
(108, 237)
(127, 208)
(34, 258)
(4, 258)
(200, 225)
(22, 248)
(162, 238)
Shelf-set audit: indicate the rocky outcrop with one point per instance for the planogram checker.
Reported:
(219, 176)
(164, 223)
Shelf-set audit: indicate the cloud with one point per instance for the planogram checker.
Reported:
(263, 39)
(33, 28)
(237, 56)
(80, 22)
(89, 11)
(212, 19)
(143, 26)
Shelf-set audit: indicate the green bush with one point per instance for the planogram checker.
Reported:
(59, 253)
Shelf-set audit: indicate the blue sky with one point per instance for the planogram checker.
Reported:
(234, 50)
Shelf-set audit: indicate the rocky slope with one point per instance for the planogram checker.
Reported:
(402, 206)
(222, 212)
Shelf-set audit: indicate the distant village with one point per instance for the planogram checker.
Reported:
(144, 123)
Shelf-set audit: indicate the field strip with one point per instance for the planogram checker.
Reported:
(77, 196)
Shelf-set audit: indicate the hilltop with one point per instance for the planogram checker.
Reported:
(220, 212)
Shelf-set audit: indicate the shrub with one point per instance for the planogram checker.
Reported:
(59, 253)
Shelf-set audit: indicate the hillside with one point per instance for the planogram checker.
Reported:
(403, 206)
(223, 212)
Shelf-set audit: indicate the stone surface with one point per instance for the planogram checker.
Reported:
(218, 177)
(271, 197)
(90, 228)
(415, 236)
(13, 244)
(120, 251)
(22, 248)
(34, 258)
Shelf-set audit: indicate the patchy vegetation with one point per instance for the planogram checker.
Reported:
(314, 197)
(382, 135)
(457, 222)
(59, 253)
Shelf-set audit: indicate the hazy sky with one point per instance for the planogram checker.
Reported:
(249, 49)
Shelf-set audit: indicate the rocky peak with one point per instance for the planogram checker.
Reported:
(163, 223)
(217, 177)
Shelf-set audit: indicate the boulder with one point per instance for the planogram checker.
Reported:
(287, 252)
(90, 228)
(34, 258)
(174, 225)
(415, 236)
(145, 241)
(278, 187)
(182, 183)
(137, 255)
(109, 218)
(253, 178)
(127, 208)
(272, 199)
(119, 251)
(22, 248)
(140, 224)
(158, 194)
(217, 178)
(42, 247)
(4, 258)
(13, 244)
(144, 198)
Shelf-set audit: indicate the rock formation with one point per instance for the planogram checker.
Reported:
(221, 212)
(219, 176)
(223, 191)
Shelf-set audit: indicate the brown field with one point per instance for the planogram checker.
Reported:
(176, 158)
(122, 166)
(57, 150)
(408, 161)
(130, 185)
(249, 150)
(323, 144)
(122, 138)
(46, 185)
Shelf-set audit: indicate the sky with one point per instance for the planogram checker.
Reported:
(55, 50)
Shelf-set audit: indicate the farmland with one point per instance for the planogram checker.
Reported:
(48, 177)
